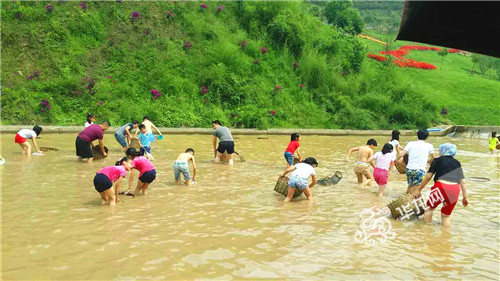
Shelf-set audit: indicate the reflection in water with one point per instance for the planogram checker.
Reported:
(231, 225)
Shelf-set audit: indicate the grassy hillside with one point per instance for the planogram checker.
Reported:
(250, 64)
(473, 100)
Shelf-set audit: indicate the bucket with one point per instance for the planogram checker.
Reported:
(160, 137)
(282, 187)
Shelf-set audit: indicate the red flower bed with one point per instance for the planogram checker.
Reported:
(420, 48)
(396, 53)
(377, 57)
(452, 51)
(404, 62)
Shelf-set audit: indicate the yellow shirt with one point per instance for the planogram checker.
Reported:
(493, 143)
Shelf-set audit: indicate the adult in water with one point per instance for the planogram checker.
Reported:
(226, 143)
(84, 141)
(448, 180)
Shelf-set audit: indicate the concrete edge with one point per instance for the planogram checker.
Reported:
(205, 131)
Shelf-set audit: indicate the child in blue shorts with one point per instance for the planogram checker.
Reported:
(145, 138)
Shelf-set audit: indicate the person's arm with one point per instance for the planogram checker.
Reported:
(432, 158)
(288, 170)
(464, 193)
(401, 156)
(349, 153)
(36, 145)
(194, 169)
(399, 148)
(127, 131)
(313, 183)
(117, 188)
(298, 154)
(136, 132)
(131, 179)
(101, 145)
(426, 180)
(215, 143)
(370, 155)
(156, 129)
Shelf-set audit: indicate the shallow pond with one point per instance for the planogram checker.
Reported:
(232, 225)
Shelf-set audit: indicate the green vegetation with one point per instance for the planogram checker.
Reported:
(264, 64)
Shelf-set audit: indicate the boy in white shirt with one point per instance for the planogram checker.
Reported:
(418, 157)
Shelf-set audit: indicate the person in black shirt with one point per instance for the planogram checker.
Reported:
(448, 180)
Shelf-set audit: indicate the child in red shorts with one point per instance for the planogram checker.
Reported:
(385, 161)
(22, 139)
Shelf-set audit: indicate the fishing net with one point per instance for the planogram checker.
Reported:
(396, 206)
(47, 148)
(333, 180)
(282, 187)
(134, 143)
(97, 152)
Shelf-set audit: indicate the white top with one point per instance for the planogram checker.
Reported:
(418, 154)
(27, 133)
(384, 160)
(88, 124)
(395, 144)
(303, 170)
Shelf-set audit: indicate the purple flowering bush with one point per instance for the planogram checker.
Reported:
(45, 105)
(155, 94)
(220, 8)
(278, 88)
(263, 50)
(83, 6)
(136, 16)
(49, 9)
(203, 90)
(187, 45)
(203, 6)
(243, 44)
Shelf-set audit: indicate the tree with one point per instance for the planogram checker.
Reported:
(345, 16)
(443, 54)
(497, 67)
(475, 59)
(485, 63)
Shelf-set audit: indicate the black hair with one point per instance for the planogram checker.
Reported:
(106, 123)
(311, 161)
(142, 126)
(90, 115)
(371, 141)
(494, 134)
(189, 150)
(132, 153)
(145, 118)
(294, 136)
(37, 129)
(120, 162)
(395, 135)
(387, 148)
(422, 134)
(217, 122)
(135, 122)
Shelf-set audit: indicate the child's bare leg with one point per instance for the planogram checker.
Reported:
(428, 215)
(145, 188)
(110, 194)
(104, 198)
(367, 182)
(289, 196)
(308, 193)
(138, 187)
(188, 182)
(381, 189)
(217, 157)
(23, 148)
(445, 220)
(360, 177)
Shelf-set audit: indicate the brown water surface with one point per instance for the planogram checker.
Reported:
(232, 225)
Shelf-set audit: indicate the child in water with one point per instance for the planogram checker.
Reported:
(90, 119)
(493, 142)
(145, 139)
(299, 178)
(147, 172)
(104, 179)
(24, 134)
(362, 167)
(385, 162)
(290, 150)
(181, 165)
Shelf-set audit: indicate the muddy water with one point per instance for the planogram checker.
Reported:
(231, 225)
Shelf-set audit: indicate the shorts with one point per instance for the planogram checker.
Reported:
(380, 176)
(102, 183)
(297, 182)
(83, 149)
(362, 168)
(446, 194)
(121, 140)
(289, 157)
(414, 177)
(144, 149)
(181, 167)
(148, 177)
(226, 146)
(19, 139)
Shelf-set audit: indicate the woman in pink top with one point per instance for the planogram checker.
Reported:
(385, 161)
(104, 179)
(147, 172)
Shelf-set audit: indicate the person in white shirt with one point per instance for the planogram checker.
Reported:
(396, 147)
(385, 161)
(90, 119)
(299, 178)
(418, 157)
(22, 139)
